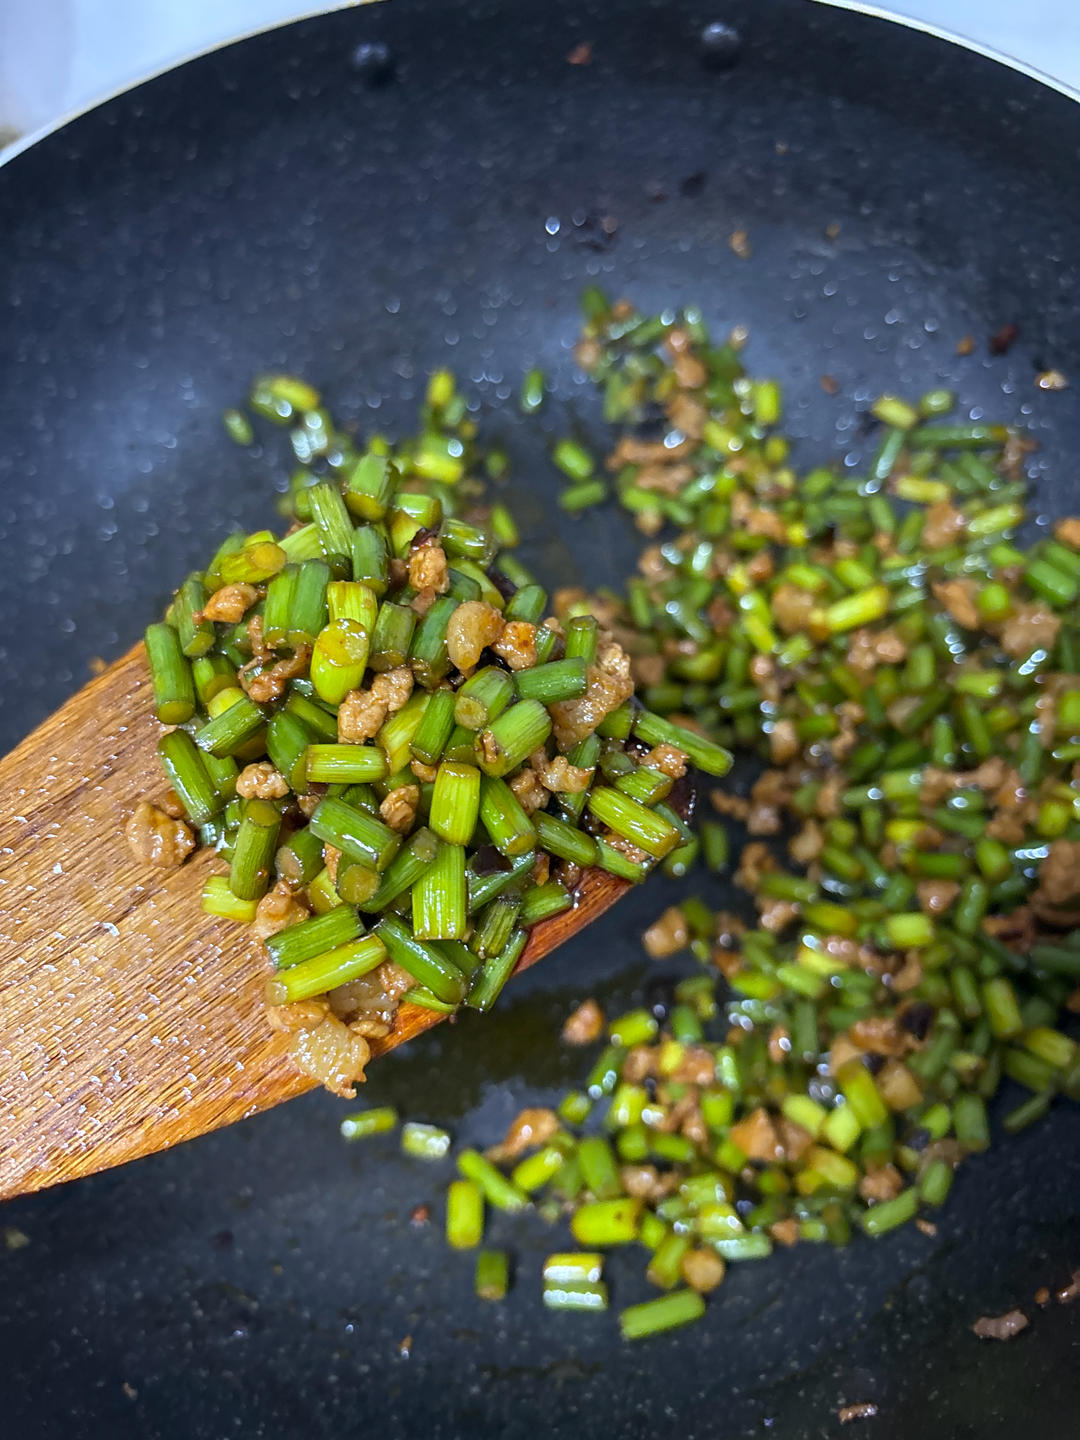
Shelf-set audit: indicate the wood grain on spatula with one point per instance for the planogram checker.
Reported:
(129, 1020)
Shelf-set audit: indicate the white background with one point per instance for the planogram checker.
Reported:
(58, 56)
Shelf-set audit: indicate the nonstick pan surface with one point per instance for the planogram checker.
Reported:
(361, 219)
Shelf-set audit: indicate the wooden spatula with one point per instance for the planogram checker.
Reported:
(129, 1020)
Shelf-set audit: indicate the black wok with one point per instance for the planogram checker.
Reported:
(283, 203)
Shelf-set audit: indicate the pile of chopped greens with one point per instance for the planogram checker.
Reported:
(898, 676)
(404, 764)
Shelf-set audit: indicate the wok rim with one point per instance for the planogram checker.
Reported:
(858, 7)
